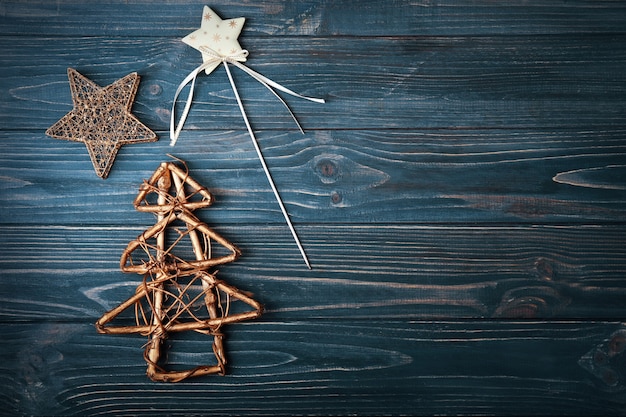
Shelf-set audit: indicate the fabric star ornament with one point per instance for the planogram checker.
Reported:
(102, 119)
(218, 35)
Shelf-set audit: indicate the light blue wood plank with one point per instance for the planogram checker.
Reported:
(365, 272)
(327, 177)
(320, 368)
(370, 83)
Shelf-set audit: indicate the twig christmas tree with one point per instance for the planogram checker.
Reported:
(177, 294)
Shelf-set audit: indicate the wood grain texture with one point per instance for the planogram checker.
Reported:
(314, 17)
(321, 368)
(573, 81)
(334, 176)
(365, 272)
(460, 195)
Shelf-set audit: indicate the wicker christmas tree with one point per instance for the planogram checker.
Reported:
(178, 293)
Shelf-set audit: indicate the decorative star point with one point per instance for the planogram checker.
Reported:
(216, 34)
(102, 119)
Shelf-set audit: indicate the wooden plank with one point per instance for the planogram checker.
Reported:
(334, 176)
(574, 82)
(369, 272)
(313, 17)
(461, 197)
(320, 368)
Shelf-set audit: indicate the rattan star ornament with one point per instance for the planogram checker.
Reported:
(102, 119)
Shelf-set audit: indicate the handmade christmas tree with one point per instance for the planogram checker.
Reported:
(178, 293)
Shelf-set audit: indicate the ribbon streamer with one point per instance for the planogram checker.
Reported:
(236, 60)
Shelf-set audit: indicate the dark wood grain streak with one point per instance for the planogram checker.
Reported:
(314, 17)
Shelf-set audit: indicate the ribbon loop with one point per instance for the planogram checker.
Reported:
(236, 59)
(239, 56)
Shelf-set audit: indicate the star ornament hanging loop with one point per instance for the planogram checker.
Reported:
(217, 41)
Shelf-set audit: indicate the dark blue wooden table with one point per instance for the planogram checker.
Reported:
(461, 196)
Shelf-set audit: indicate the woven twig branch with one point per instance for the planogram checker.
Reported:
(175, 291)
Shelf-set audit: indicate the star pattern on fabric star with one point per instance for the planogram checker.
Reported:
(216, 34)
(102, 119)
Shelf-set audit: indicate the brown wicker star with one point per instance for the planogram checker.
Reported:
(102, 119)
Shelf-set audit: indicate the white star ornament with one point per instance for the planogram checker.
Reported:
(218, 35)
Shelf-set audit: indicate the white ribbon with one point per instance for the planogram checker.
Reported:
(236, 60)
